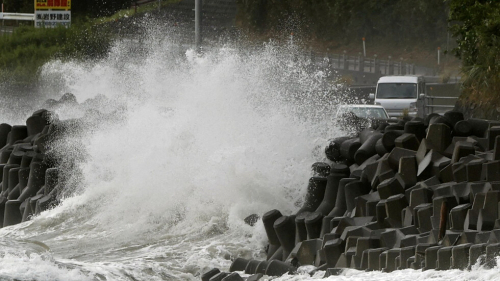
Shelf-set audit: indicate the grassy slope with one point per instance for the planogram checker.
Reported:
(28, 48)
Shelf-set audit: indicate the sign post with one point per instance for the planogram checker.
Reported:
(52, 13)
(364, 47)
(439, 55)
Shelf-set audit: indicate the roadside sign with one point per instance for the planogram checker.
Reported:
(52, 4)
(52, 18)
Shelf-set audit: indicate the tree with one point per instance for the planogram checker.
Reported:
(476, 27)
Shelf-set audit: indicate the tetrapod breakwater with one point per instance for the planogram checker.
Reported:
(33, 175)
(416, 193)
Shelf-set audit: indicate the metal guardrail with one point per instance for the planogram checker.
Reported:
(17, 16)
(427, 106)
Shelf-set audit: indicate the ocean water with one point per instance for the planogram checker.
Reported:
(182, 148)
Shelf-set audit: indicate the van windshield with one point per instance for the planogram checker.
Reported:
(397, 91)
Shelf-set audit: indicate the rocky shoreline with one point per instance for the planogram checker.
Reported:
(419, 193)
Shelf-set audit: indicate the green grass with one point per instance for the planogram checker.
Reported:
(23, 53)
(140, 10)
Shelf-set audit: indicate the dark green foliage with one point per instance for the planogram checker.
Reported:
(22, 53)
(477, 30)
(394, 20)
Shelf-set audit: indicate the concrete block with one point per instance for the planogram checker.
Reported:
(353, 190)
(431, 257)
(461, 192)
(492, 170)
(219, 276)
(348, 149)
(408, 217)
(363, 201)
(420, 196)
(462, 128)
(338, 172)
(496, 149)
(307, 251)
(360, 231)
(384, 171)
(407, 171)
(407, 141)
(389, 187)
(450, 238)
(396, 154)
(333, 249)
(332, 150)
(481, 144)
(492, 251)
(233, 277)
(476, 251)
(261, 267)
(451, 202)
(340, 203)
(420, 251)
(344, 260)
(278, 268)
(462, 149)
(389, 137)
(36, 180)
(300, 227)
(424, 215)
(492, 133)
(255, 277)
(393, 207)
(473, 214)
(285, 230)
(313, 225)
(474, 170)
(489, 213)
(374, 258)
(467, 237)
(417, 128)
(367, 149)
(476, 188)
(252, 266)
(11, 215)
(453, 117)
(268, 220)
(333, 272)
(381, 213)
(439, 135)
(458, 215)
(460, 256)
(405, 254)
(391, 256)
(444, 258)
(209, 274)
(239, 264)
(391, 238)
(315, 194)
(479, 126)
(382, 260)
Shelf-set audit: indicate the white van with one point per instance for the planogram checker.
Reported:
(397, 93)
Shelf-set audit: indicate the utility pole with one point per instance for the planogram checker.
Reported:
(197, 23)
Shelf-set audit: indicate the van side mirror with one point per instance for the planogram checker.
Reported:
(421, 96)
(371, 96)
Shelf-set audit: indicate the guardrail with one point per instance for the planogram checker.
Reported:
(439, 98)
(428, 105)
(17, 16)
(374, 65)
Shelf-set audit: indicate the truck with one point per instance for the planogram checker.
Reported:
(399, 94)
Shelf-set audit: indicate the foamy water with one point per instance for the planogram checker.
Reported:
(187, 147)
